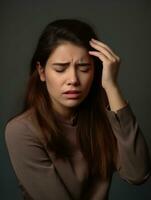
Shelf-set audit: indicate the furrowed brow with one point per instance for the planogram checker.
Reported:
(61, 63)
(83, 64)
(68, 63)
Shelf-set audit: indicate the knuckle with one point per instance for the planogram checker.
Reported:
(118, 59)
(114, 60)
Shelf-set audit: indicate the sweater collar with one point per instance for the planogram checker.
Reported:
(71, 122)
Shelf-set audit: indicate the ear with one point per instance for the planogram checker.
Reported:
(41, 71)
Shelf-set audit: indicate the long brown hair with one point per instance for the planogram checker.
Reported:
(98, 143)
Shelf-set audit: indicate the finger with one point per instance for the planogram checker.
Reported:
(102, 49)
(105, 46)
(100, 55)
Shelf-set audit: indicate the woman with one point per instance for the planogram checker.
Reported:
(76, 129)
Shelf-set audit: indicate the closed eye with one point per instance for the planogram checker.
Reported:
(84, 67)
(60, 67)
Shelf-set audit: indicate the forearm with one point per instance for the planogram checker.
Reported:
(133, 162)
(115, 98)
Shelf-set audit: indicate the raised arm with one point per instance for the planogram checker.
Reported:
(133, 155)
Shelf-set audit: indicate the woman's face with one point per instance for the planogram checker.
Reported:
(68, 75)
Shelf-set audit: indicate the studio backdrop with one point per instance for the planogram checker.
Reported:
(123, 25)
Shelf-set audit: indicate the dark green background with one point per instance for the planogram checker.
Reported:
(123, 25)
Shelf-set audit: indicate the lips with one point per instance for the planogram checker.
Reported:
(72, 94)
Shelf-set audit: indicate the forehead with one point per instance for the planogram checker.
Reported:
(68, 51)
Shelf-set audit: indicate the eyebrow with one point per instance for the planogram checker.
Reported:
(67, 63)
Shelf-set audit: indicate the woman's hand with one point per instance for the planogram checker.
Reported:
(111, 63)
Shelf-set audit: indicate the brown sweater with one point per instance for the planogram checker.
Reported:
(42, 176)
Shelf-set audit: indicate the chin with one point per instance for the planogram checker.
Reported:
(72, 103)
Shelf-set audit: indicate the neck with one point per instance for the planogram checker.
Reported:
(65, 113)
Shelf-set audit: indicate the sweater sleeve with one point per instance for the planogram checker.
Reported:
(133, 163)
(32, 166)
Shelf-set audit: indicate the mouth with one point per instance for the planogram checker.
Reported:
(72, 94)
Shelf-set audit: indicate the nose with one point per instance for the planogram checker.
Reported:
(73, 77)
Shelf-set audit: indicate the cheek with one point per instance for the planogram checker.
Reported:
(53, 83)
(87, 85)
(50, 82)
(89, 79)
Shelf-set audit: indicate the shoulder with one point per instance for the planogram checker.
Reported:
(20, 121)
(22, 127)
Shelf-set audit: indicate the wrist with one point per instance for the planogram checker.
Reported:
(115, 97)
(111, 87)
